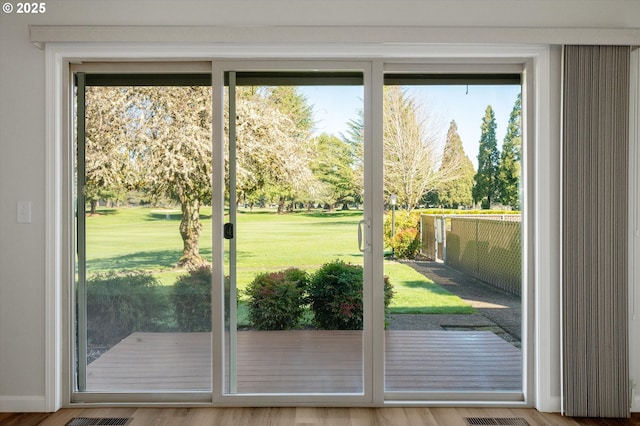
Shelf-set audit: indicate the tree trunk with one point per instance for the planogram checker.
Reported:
(94, 206)
(190, 229)
(281, 202)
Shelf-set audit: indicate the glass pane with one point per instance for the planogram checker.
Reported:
(296, 268)
(453, 238)
(147, 169)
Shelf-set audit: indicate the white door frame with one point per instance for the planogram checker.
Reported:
(542, 390)
(524, 69)
(219, 70)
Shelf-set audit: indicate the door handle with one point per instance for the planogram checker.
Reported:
(227, 231)
(363, 236)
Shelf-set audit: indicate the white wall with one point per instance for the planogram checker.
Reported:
(21, 246)
(22, 125)
(472, 13)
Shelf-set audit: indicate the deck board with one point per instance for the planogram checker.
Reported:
(304, 361)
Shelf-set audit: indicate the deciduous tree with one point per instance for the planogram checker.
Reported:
(108, 169)
(157, 139)
(172, 143)
(412, 149)
(272, 153)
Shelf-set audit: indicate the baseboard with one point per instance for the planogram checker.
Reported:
(22, 404)
(635, 404)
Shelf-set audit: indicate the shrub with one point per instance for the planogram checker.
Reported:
(191, 298)
(118, 305)
(335, 296)
(388, 295)
(276, 299)
(406, 241)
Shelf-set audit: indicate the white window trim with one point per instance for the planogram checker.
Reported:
(364, 38)
(543, 391)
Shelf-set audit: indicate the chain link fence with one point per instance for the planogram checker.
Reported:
(488, 247)
(428, 237)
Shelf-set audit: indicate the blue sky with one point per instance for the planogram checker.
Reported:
(335, 106)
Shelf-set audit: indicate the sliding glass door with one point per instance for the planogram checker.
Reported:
(453, 234)
(296, 231)
(143, 172)
(300, 232)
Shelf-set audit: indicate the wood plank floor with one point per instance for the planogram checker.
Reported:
(311, 361)
(305, 416)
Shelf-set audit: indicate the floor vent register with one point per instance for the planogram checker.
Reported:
(502, 421)
(91, 421)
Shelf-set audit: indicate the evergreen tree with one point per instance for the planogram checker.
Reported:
(457, 191)
(509, 170)
(294, 105)
(486, 188)
(332, 166)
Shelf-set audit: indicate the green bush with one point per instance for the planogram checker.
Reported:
(118, 305)
(406, 241)
(191, 298)
(276, 299)
(388, 295)
(335, 296)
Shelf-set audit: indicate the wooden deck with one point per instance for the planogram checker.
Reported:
(311, 361)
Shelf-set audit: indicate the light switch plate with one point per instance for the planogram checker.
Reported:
(23, 214)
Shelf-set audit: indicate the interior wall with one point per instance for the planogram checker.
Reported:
(21, 245)
(22, 126)
(430, 13)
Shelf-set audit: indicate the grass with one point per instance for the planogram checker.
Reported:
(415, 294)
(148, 239)
(270, 242)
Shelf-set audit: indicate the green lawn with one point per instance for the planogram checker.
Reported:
(415, 294)
(270, 242)
(148, 239)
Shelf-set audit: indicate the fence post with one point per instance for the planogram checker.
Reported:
(435, 237)
(420, 231)
(478, 247)
(444, 238)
